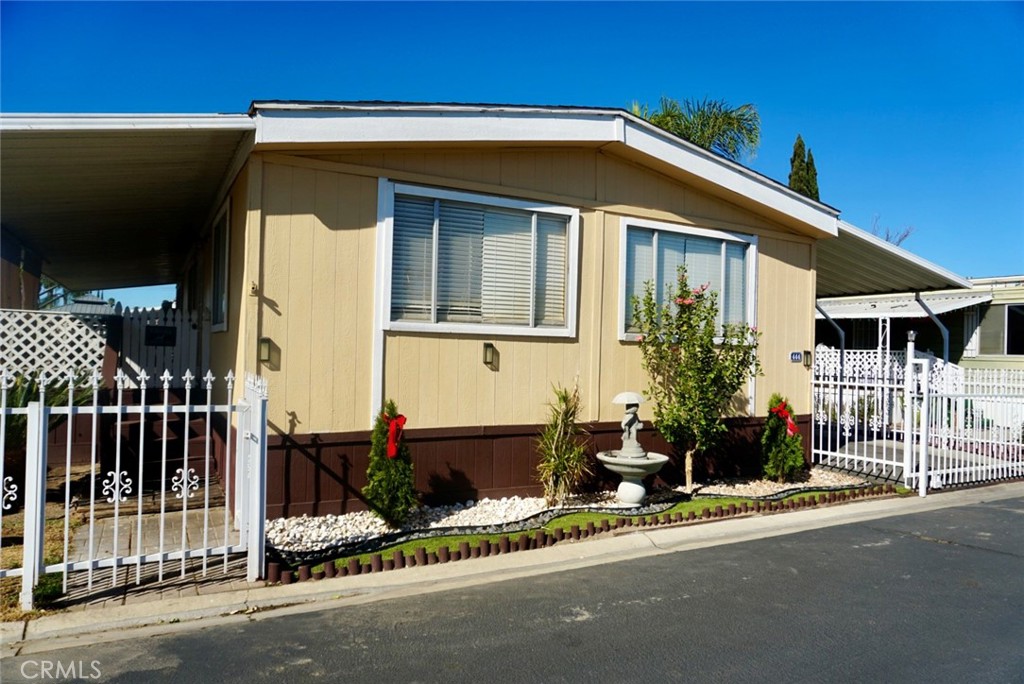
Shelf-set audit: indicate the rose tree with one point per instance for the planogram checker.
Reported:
(695, 367)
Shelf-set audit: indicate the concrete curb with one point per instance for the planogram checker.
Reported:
(53, 632)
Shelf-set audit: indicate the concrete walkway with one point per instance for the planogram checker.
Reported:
(152, 581)
(160, 614)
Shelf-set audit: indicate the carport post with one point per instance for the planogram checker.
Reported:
(942, 328)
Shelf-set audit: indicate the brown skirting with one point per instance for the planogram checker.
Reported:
(323, 473)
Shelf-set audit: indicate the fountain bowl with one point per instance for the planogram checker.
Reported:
(633, 470)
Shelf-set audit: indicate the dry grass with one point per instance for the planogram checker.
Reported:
(11, 551)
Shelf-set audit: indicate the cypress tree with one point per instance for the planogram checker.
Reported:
(812, 177)
(798, 167)
(390, 490)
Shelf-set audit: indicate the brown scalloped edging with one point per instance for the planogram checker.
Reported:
(279, 573)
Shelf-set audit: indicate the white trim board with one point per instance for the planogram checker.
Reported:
(283, 123)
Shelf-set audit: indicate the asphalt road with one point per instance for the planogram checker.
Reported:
(932, 597)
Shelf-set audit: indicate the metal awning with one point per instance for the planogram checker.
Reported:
(899, 305)
(859, 263)
(110, 201)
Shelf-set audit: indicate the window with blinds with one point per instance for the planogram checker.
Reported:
(461, 262)
(655, 255)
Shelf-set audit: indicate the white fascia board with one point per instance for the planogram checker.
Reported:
(879, 243)
(318, 126)
(310, 123)
(731, 177)
(125, 122)
(899, 305)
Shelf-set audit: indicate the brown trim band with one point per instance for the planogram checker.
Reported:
(324, 473)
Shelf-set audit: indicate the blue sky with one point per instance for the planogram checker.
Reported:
(914, 112)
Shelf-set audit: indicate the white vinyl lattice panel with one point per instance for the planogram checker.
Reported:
(33, 341)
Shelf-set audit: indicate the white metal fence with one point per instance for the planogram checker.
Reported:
(168, 477)
(924, 423)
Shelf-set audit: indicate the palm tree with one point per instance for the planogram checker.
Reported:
(733, 132)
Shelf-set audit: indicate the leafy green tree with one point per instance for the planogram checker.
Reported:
(733, 132)
(782, 452)
(53, 294)
(390, 490)
(695, 370)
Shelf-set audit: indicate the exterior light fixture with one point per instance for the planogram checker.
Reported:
(911, 334)
(490, 356)
(264, 350)
(808, 359)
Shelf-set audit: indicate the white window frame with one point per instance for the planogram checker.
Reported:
(626, 222)
(386, 202)
(223, 217)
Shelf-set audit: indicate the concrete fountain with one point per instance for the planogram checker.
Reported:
(631, 461)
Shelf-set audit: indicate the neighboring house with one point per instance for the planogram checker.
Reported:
(981, 326)
(997, 331)
(353, 252)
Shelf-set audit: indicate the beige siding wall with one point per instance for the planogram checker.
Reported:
(317, 280)
(785, 319)
(316, 285)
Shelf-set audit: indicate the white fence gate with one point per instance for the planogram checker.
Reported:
(924, 423)
(170, 476)
(154, 340)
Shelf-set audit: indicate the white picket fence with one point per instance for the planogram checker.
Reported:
(927, 424)
(152, 500)
(154, 340)
(150, 340)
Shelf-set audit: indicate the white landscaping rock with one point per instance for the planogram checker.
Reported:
(306, 533)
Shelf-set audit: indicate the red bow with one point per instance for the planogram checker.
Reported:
(395, 427)
(782, 413)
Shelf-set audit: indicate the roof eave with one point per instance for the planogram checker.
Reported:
(124, 122)
(373, 123)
